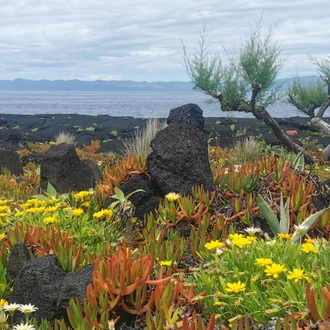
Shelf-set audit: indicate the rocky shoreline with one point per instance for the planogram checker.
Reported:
(17, 130)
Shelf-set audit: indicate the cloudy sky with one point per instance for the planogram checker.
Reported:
(141, 39)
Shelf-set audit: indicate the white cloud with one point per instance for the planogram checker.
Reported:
(140, 40)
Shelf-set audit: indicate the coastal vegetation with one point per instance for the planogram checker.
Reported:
(252, 252)
(246, 81)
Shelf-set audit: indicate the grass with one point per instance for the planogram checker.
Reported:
(65, 137)
(245, 150)
(140, 143)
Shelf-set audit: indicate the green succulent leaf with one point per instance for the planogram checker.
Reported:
(269, 215)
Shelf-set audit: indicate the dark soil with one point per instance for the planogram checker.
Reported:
(17, 130)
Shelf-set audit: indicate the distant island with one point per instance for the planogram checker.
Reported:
(94, 86)
(102, 85)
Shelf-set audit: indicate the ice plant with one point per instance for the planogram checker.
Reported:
(274, 270)
(297, 274)
(235, 287)
(172, 196)
(214, 245)
(309, 247)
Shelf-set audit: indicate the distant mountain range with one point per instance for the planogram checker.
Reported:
(102, 85)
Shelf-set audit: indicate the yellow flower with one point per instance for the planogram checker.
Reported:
(235, 236)
(4, 208)
(77, 212)
(309, 240)
(284, 236)
(214, 245)
(165, 263)
(103, 213)
(51, 209)
(3, 302)
(31, 210)
(297, 274)
(242, 241)
(263, 262)
(3, 201)
(19, 213)
(171, 197)
(40, 209)
(236, 287)
(85, 204)
(252, 239)
(309, 247)
(81, 195)
(49, 220)
(2, 236)
(274, 270)
(2, 215)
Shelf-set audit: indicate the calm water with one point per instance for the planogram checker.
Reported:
(136, 104)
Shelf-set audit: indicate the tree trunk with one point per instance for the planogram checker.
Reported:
(324, 107)
(287, 142)
(321, 125)
(324, 127)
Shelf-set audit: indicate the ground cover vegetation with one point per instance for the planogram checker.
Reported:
(252, 252)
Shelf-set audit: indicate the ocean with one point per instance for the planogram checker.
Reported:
(135, 104)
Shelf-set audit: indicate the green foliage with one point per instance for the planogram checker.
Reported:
(307, 96)
(245, 150)
(283, 226)
(120, 197)
(323, 67)
(206, 72)
(249, 74)
(275, 226)
(261, 296)
(260, 61)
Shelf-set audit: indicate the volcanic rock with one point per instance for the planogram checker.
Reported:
(179, 159)
(64, 170)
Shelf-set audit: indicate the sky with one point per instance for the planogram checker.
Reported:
(141, 40)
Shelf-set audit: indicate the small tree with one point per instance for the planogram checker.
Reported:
(312, 95)
(247, 81)
(306, 96)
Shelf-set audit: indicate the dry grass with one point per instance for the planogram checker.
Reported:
(65, 137)
(245, 150)
(140, 143)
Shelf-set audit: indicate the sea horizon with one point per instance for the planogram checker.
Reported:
(122, 103)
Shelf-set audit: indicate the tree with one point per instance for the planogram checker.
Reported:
(312, 95)
(246, 82)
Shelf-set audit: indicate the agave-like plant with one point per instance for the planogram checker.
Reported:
(283, 226)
